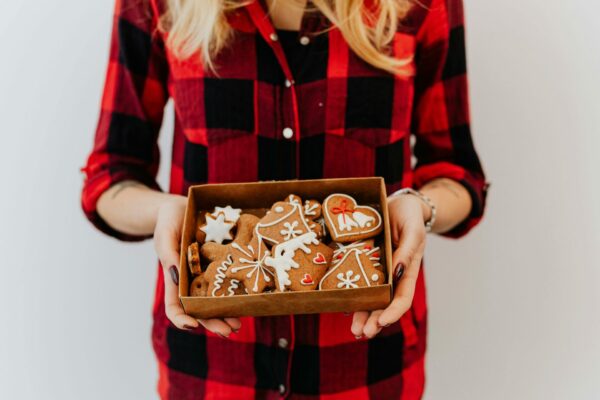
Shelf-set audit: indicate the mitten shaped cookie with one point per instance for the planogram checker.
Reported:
(292, 254)
(353, 270)
(219, 283)
(366, 246)
(312, 266)
(347, 221)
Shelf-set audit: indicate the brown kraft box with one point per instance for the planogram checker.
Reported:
(258, 196)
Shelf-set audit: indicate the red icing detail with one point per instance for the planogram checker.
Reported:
(375, 255)
(319, 259)
(340, 256)
(307, 280)
(342, 209)
(367, 248)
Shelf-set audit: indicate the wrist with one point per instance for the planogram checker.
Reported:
(427, 207)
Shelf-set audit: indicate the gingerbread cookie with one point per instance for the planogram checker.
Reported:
(221, 258)
(285, 221)
(288, 255)
(347, 221)
(198, 286)
(193, 259)
(231, 217)
(353, 270)
(216, 228)
(218, 284)
(248, 266)
(367, 246)
(312, 266)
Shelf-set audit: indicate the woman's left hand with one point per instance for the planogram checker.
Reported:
(407, 220)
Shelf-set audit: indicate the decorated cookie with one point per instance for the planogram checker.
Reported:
(221, 259)
(231, 216)
(366, 246)
(248, 266)
(291, 254)
(312, 266)
(198, 286)
(285, 221)
(193, 259)
(218, 284)
(353, 270)
(216, 228)
(348, 222)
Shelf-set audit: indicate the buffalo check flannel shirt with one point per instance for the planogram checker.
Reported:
(264, 119)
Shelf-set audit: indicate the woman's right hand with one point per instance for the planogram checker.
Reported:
(167, 238)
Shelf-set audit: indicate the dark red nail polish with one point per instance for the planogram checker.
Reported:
(399, 271)
(174, 274)
(235, 330)
(358, 337)
(185, 326)
(223, 336)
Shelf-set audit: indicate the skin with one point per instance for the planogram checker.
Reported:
(133, 208)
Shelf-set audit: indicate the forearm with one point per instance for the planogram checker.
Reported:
(131, 207)
(452, 200)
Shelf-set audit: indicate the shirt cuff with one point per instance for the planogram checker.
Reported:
(95, 185)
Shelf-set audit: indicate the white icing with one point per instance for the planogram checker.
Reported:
(216, 229)
(290, 230)
(233, 285)
(363, 220)
(279, 209)
(347, 281)
(356, 254)
(310, 209)
(293, 200)
(346, 223)
(296, 208)
(319, 259)
(374, 277)
(341, 232)
(283, 254)
(231, 214)
(255, 266)
(220, 275)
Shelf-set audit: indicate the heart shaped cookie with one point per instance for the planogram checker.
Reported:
(347, 221)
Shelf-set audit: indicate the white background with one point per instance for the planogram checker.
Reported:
(514, 307)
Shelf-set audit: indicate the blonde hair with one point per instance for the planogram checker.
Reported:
(201, 27)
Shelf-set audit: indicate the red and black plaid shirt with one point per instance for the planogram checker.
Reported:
(347, 119)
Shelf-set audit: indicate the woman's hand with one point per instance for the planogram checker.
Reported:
(167, 237)
(407, 218)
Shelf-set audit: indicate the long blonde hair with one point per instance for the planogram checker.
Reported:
(200, 26)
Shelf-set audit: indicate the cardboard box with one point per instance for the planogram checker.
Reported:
(259, 196)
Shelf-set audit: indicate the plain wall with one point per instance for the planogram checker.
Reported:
(513, 306)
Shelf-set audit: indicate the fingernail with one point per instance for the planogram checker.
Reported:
(223, 336)
(235, 330)
(346, 314)
(382, 326)
(174, 274)
(399, 271)
(186, 326)
(358, 337)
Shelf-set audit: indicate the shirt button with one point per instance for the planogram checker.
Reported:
(273, 37)
(288, 83)
(283, 343)
(288, 133)
(281, 389)
(304, 40)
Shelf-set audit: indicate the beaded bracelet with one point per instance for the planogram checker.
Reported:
(425, 199)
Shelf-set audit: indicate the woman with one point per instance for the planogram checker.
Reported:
(286, 90)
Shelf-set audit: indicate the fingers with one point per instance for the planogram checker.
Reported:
(173, 308)
(372, 327)
(223, 328)
(409, 256)
(358, 323)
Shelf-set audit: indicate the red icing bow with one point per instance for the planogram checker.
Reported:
(342, 209)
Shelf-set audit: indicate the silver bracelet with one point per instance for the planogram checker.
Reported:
(425, 199)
